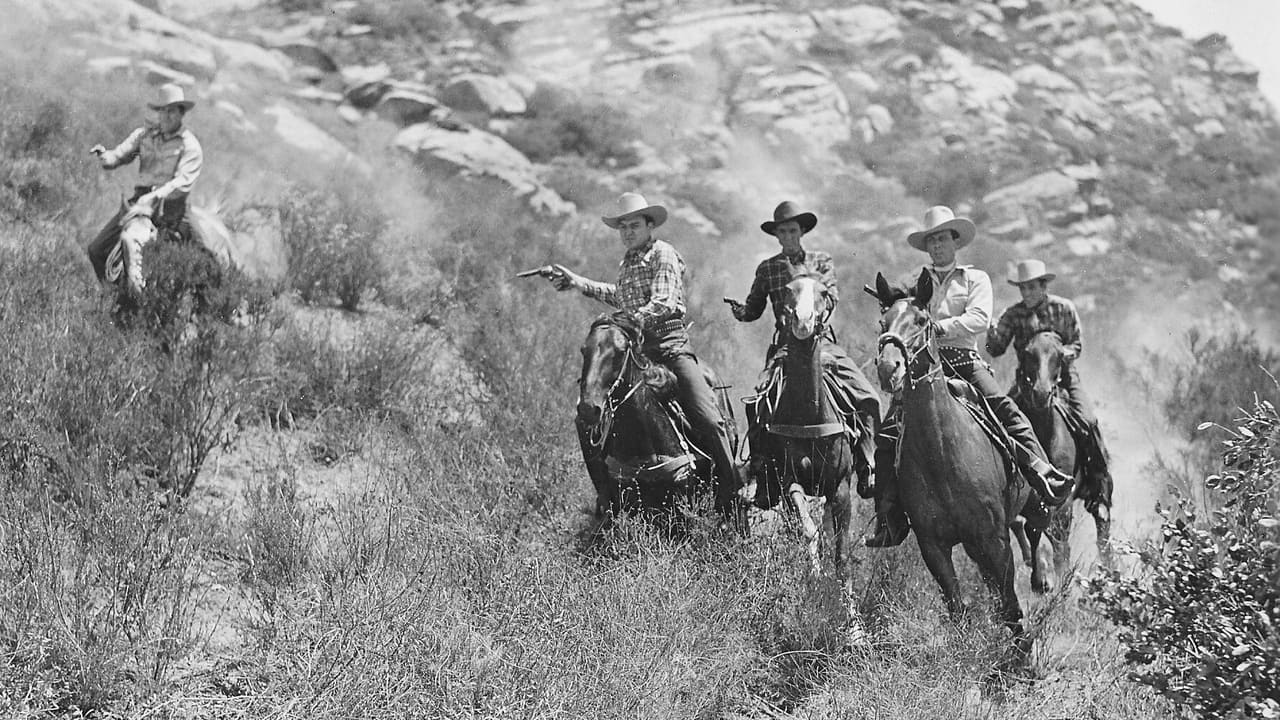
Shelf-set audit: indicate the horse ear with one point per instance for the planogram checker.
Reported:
(883, 292)
(924, 289)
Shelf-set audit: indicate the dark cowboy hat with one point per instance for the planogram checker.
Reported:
(634, 204)
(788, 211)
(170, 94)
(940, 217)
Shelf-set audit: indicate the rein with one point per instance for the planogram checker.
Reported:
(935, 363)
(599, 432)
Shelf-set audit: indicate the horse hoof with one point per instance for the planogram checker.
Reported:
(1041, 587)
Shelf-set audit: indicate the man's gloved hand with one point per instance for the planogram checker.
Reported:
(936, 329)
(98, 150)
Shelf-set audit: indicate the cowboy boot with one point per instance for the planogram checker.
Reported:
(1053, 485)
(892, 523)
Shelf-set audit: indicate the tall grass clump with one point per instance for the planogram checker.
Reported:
(332, 241)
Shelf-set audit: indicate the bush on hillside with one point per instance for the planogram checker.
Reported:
(560, 123)
(1212, 385)
(1203, 621)
(332, 243)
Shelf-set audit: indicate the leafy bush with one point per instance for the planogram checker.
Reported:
(1204, 622)
(1212, 385)
(332, 243)
(560, 123)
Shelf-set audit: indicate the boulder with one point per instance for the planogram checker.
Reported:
(472, 152)
(301, 133)
(157, 74)
(803, 100)
(1210, 128)
(849, 30)
(308, 54)
(110, 65)
(406, 107)
(484, 94)
(1042, 78)
(180, 53)
(260, 61)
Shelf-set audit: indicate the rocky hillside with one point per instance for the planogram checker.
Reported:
(1078, 131)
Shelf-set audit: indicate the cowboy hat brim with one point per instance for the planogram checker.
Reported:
(807, 222)
(186, 105)
(655, 212)
(1042, 276)
(963, 228)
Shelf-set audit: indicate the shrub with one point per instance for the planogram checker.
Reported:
(1204, 622)
(1211, 386)
(560, 123)
(332, 244)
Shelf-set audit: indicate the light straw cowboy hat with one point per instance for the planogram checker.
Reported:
(788, 211)
(170, 94)
(634, 204)
(1028, 270)
(940, 217)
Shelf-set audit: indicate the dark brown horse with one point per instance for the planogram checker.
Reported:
(637, 453)
(953, 482)
(1039, 395)
(807, 447)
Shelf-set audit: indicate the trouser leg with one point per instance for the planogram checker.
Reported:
(100, 247)
(700, 407)
(1097, 462)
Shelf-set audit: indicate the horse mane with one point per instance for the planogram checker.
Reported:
(624, 321)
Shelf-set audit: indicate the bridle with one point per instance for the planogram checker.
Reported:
(934, 366)
(598, 433)
(1027, 382)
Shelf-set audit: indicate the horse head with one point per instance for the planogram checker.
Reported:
(806, 306)
(611, 345)
(1039, 366)
(905, 331)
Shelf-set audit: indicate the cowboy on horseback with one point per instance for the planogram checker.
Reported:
(650, 287)
(169, 162)
(789, 225)
(961, 306)
(1041, 311)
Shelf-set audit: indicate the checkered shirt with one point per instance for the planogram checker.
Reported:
(772, 276)
(1020, 323)
(651, 286)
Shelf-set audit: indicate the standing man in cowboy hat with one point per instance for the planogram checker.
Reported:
(789, 225)
(1037, 312)
(650, 287)
(169, 162)
(961, 308)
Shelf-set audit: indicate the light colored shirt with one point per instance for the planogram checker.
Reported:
(169, 164)
(962, 305)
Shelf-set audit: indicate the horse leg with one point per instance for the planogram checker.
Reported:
(1060, 534)
(1040, 582)
(1102, 524)
(841, 503)
(994, 558)
(937, 557)
(1019, 529)
(811, 530)
(608, 500)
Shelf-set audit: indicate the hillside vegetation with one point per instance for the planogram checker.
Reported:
(352, 489)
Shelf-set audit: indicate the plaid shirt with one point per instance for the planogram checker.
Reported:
(1020, 323)
(772, 277)
(651, 287)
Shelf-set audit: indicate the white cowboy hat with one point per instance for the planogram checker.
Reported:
(940, 217)
(170, 94)
(788, 211)
(634, 204)
(1028, 270)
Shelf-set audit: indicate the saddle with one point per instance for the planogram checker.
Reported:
(761, 406)
(981, 411)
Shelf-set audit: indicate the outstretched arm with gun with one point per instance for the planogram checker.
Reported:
(559, 275)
